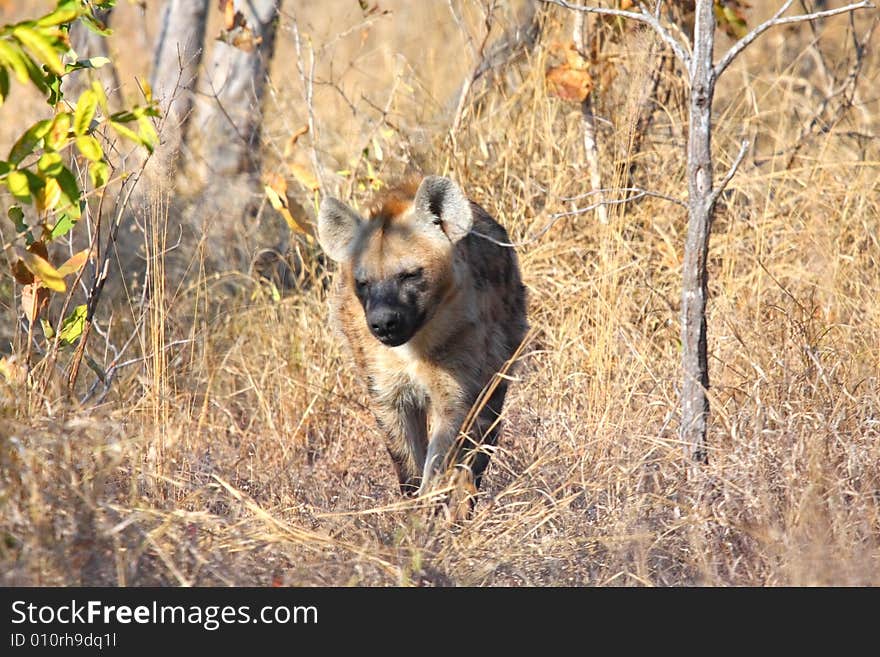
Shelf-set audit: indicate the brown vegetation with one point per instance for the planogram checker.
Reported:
(236, 446)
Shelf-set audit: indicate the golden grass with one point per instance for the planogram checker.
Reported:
(240, 451)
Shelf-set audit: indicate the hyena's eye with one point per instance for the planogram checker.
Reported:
(410, 276)
(361, 284)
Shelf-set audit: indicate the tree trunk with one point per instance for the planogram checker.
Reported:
(176, 61)
(694, 399)
(222, 143)
(228, 114)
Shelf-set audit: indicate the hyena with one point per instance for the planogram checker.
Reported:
(432, 305)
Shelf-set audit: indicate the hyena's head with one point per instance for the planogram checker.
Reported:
(399, 260)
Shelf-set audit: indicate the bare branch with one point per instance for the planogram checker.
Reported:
(308, 83)
(716, 193)
(777, 19)
(638, 16)
(637, 193)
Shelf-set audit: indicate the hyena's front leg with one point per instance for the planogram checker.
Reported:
(404, 423)
(449, 447)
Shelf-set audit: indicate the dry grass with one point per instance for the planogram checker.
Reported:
(239, 449)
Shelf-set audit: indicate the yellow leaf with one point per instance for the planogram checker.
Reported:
(89, 147)
(305, 177)
(42, 269)
(277, 183)
(85, 112)
(40, 46)
(74, 263)
(281, 203)
(57, 136)
(291, 142)
(49, 196)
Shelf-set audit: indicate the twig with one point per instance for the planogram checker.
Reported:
(638, 193)
(475, 74)
(776, 20)
(641, 16)
(308, 83)
(716, 193)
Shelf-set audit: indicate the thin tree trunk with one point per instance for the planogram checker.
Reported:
(176, 61)
(694, 398)
(588, 120)
(228, 114)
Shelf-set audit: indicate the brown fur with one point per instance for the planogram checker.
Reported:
(475, 318)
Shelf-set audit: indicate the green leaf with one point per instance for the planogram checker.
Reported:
(37, 75)
(125, 116)
(94, 25)
(65, 12)
(50, 164)
(28, 141)
(98, 62)
(89, 147)
(62, 226)
(13, 57)
(17, 182)
(70, 194)
(48, 331)
(85, 112)
(58, 135)
(99, 172)
(92, 62)
(16, 216)
(73, 325)
(41, 46)
(53, 83)
(126, 132)
(4, 84)
(48, 196)
(41, 268)
(147, 132)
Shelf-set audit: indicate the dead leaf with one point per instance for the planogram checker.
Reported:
(74, 263)
(570, 80)
(569, 84)
(730, 17)
(34, 299)
(41, 268)
(291, 142)
(228, 9)
(276, 192)
(235, 31)
(305, 177)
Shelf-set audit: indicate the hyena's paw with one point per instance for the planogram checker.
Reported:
(463, 496)
(459, 494)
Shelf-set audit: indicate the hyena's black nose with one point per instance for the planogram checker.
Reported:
(385, 322)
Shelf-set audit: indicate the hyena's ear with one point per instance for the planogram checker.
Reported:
(441, 201)
(337, 227)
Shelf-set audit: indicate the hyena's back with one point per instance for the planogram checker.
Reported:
(497, 282)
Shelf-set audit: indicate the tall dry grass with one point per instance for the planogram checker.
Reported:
(238, 447)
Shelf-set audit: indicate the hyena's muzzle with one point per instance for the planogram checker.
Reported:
(391, 308)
